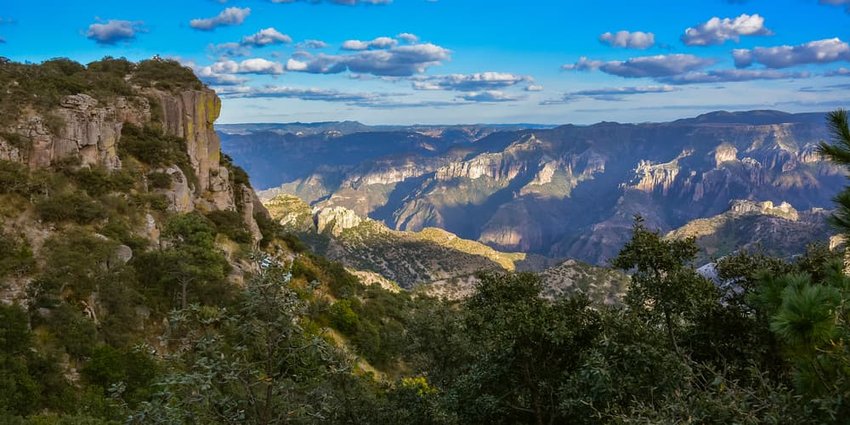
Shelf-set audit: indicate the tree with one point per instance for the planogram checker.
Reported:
(254, 364)
(663, 288)
(839, 152)
(522, 348)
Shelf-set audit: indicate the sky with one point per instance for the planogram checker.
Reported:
(465, 61)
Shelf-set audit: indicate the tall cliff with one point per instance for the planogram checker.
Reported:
(115, 150)
(570, 191)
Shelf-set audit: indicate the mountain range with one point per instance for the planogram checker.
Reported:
(561, 192)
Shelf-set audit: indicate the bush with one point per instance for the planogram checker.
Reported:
(165, 74)
(73, 206)
(156, 149)
(14, 178)
(230, 224)
(343, 318)
(15, 257)
(159, 180)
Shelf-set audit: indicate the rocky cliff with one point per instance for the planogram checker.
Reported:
(570, 191)
(84, 129)
(430, 256)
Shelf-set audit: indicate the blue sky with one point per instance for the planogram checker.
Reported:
(465, 61)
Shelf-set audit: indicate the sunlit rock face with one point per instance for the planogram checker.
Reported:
(89, 131)
(565, 191)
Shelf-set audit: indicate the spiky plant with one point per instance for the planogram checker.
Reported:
(839, 152)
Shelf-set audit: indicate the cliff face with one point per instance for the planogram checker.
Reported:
(82, 127)
(86, 129)
(565, 192)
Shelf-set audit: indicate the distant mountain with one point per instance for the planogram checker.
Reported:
(776, 230)
(406, 258)
(570, 191)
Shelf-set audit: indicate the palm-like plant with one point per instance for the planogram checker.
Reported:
(839, 152)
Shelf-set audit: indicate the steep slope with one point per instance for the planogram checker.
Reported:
(571, 191)
(408, 258)
(122, 151)
(777, 230)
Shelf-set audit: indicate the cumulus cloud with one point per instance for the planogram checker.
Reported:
(312, 44)
(644, 66)
(479, 81)
(718, 31)
(315, 94)
(378, 43)
(631, 40)
(114, 31)
(408, 37)
(533, 87)
(610, 94)
(732, 75)
(489, 96)
(247, 66)
(266, 37)
(398, 61)
(813, 52)
(230, 49)
(229, 16)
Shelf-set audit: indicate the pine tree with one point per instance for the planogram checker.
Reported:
(839, 152)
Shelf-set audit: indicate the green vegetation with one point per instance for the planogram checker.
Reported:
(181, 328)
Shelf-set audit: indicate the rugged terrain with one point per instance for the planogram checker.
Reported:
(570, 191)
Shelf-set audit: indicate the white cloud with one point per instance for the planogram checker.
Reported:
(312, 44)
(718, 31)
(732, 75)
(489, 96)
(840, 72)
(534, 87)
(114, 31)
(408, 37)
(469, 82)
(644, 66)
(229, 16)
(247, 66)
(626, 39)
(820, 51)
(378, 43)
(266, 37)
(398, 61)
(610, 93)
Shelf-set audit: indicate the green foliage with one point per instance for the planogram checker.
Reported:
(14, 178)
(16, 257)
(70, 206)
(159, 180)
(230, 223)
(132, 370)
(190, 270)
(153, 147)
(663, 288)
(165, 74)
(255, 364)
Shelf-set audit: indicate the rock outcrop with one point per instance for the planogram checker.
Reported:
(89, 130)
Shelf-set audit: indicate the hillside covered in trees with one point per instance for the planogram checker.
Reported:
(143, 283)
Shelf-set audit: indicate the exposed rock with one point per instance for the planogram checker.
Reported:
(248, 214)
(180, 195)
(123, 254)
(336, 220)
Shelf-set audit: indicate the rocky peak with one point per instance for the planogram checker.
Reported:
(784, 209)
(335, 220)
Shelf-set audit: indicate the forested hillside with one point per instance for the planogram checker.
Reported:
(143, 283)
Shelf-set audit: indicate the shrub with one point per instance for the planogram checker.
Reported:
(74, 206)
(344, 318)
(159, 180)
(15, 257)
(14, 178)
(165, 74)
(230, 224)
